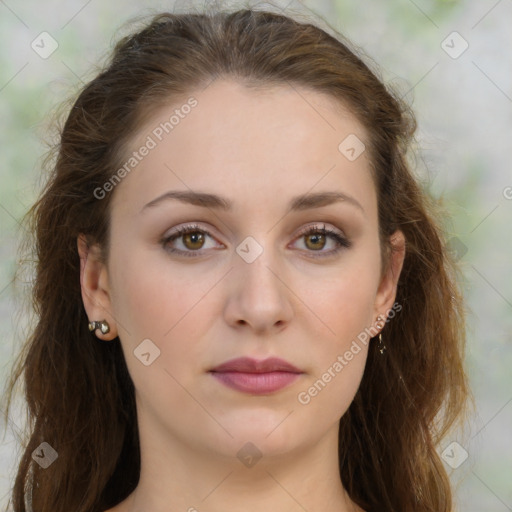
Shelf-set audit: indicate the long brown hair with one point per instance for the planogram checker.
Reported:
(79, 393)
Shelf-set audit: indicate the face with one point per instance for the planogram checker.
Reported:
(253, 272)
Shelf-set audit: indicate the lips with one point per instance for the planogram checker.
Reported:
(256, 377)
(248, 365)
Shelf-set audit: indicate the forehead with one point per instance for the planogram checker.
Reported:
(250, 143)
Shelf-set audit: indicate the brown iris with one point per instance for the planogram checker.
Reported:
(193, 240)
(318, 238)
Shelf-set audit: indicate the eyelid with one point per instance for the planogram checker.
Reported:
(177, 233)
(319, 226)
(187, 228)
(338, 236)
(342, 241)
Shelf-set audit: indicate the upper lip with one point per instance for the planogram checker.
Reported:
(249, 365)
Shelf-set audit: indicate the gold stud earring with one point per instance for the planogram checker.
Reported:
(102, 326)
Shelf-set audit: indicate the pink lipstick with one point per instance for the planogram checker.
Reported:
(256, 377)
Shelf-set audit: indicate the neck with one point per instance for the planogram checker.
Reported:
(179, 477)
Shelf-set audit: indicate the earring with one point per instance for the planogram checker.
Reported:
(102, 326)
(381, 346)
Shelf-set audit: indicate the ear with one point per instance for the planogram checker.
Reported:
(95, 287)
(386, 292)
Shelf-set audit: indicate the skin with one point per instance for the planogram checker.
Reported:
(258, 149)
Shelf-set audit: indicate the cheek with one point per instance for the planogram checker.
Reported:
(153, 298)
(346, 311)
(345, 303)
(328, 394)
(167, 306)
(338, 362)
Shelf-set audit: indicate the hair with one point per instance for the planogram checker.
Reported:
(79, 393)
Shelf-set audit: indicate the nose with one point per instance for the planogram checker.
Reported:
(258, 297)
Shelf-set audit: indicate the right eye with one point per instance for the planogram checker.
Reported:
(192, 240)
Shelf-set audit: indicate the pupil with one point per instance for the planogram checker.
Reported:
(195, 238)
(316, 238)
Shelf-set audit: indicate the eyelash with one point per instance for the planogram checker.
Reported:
(342, 242)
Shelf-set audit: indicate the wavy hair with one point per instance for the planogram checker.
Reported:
(79, 393)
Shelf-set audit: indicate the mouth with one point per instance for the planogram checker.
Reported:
(256, 377)
(256, 383)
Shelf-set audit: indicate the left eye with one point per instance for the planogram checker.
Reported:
(316, 239)
(193, 239)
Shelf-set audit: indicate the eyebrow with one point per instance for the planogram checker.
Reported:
(298, 203)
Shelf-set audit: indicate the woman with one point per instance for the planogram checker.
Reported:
(244, 298)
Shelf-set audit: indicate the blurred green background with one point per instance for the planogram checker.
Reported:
(463, 101)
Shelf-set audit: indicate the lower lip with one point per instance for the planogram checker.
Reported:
(256, 383)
